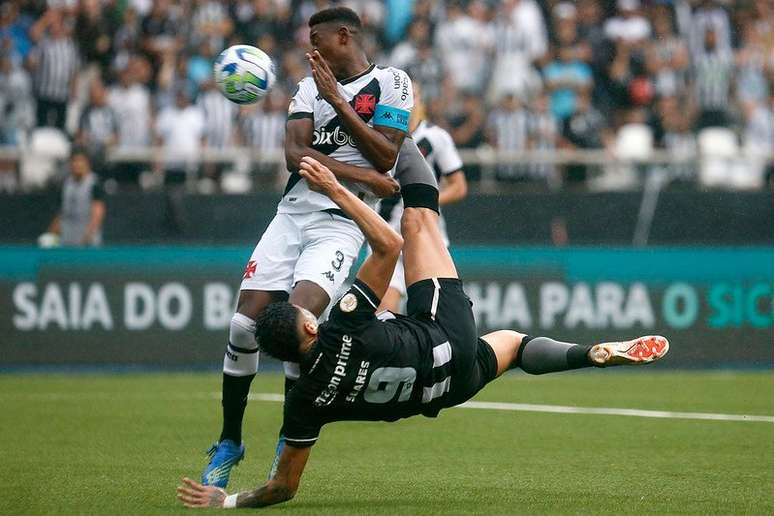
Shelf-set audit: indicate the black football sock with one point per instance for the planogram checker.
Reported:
(540, 355)
(235, 391)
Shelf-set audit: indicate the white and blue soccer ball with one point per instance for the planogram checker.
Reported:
(244, 74)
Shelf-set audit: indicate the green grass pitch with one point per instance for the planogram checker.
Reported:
(118, 444)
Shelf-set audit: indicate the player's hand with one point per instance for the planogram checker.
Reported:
(318, 176)
(323, 77)
(382, 185)
(194, 495)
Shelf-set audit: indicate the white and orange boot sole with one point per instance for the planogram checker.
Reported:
(642, 350)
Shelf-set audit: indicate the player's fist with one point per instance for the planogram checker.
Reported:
(318, 176)
(382, 185)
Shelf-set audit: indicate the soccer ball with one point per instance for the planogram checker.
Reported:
(244, 74)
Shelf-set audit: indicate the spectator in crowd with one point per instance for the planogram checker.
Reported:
(584, 129)
(220, 115)
(180, 131)
(55, 61)
(507, 131)
(211, 24)
(709, 17)
(667, 57)
(677, 137)
(98, 127)
(628, 25)
(754, 62)
(126, 40)
(82, 212)
(263, 129)
(566, 76)
(16, 103)
(14, 37)
(130, 100)
(520, 41)
(93, 33)
(464, 42)
(712, 70)
(424, 66)
(542, 136)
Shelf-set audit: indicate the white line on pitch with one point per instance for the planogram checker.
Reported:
(487, 405)
(563, 409)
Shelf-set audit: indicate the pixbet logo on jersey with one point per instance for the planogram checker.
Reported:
(338, 136)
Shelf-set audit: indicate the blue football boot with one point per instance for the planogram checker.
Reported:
(223, 456)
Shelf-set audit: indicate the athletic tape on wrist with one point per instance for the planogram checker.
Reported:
(230, 501)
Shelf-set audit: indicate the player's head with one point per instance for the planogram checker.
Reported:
(286, 331)
(334, 32)
(80, 165)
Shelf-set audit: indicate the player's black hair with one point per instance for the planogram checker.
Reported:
(343, 15)
(276, 331)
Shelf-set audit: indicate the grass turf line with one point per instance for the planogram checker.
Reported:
(119, 443)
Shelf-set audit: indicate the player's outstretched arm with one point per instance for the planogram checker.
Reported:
(298, 143)
(380, 145)
(279, 489)
(385, 243)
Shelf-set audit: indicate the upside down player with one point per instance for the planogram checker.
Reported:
(357, 366)
(352, 116)
(438, 148)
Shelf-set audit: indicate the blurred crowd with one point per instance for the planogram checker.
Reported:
(513, 75)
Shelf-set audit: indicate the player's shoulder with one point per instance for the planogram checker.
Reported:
(306, 84)
(395, 77)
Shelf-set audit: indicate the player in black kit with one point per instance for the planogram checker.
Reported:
(362, 366)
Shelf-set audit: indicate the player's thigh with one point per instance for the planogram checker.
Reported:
(330, 246)
(273, 261)
(252, 302)
(424, 252)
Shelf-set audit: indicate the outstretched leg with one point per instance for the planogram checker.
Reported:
(540, 355)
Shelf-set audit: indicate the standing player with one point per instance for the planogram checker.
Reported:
(352, 116)
(356, 366)
(441, 154)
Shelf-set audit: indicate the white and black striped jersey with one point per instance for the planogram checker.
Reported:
(365, 368)
(58, 63)
(438, 148)
(381, 96)
(264, 131)
(713, 73)
(98, 125)
(219, 116)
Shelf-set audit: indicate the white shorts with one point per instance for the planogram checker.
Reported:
(398, 280)
(319, 247)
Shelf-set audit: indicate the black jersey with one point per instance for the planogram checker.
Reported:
(365, 367)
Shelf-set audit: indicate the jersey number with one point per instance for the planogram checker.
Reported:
(386, 381)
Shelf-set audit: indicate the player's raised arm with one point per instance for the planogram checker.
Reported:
(298, 143)
(385, 243)
(381, 143)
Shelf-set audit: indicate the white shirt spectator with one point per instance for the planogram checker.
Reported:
(131, 105)
(181, 131)
(627, 26)
(464, 44)
(520, 39)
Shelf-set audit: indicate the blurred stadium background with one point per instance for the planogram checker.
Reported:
(620, 162)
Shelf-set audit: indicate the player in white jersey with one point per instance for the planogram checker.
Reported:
(441, 154)
(351, 116)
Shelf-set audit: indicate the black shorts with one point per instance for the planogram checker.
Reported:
(473, 362)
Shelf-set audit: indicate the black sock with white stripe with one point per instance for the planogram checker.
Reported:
(540, 355)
